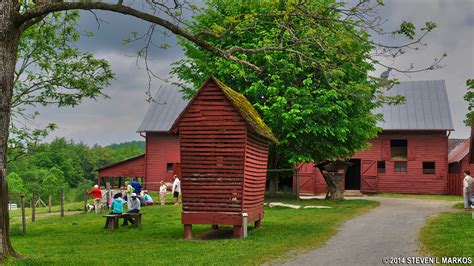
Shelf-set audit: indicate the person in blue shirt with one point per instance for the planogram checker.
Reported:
(117, 206)
(137, 187)
(148, 198)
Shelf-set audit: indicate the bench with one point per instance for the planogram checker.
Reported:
(113, 219)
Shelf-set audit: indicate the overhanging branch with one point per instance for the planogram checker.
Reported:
(29, 18)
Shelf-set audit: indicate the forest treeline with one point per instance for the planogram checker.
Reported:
(65, 163)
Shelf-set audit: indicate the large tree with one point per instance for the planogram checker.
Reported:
(16, 18)
(315, 91)
(469, 97)
(51, 71)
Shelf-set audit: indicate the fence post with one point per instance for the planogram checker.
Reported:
(23, 215)
(85, 198)
(62, 202)
(33, 205)
(49, 203)
(107, 189)
(297, 183)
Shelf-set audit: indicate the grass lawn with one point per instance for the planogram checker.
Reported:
(80, 239)
(449, 235)
(418, 196)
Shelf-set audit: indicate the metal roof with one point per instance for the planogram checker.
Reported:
(426, 107)
(458, 153)
(162, 113)
(454, 143)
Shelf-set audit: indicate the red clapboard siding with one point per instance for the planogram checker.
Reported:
(256, 156)
(223, 162)
(424, 146)
(161, 149)
(212, 140)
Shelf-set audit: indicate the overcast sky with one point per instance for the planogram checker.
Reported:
(114, 120)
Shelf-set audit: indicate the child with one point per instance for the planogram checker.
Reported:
(148, 198)
(117, 206)
(176, 189)
(162, 192)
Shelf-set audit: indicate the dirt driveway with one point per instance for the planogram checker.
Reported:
(390, 230)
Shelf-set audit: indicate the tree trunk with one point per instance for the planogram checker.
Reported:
(334, 188)
(9, 40)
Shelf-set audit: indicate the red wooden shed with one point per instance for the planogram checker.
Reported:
(224, 151)
(410, 155)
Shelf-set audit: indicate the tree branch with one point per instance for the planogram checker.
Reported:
(29, 17)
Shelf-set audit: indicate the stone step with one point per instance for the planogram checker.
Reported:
(352, 193)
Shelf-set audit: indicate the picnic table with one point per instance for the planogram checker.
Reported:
(113, 219)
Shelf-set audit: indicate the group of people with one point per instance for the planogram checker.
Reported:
(467, 190)
(135, 197)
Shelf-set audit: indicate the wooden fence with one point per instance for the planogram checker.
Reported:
(454, 184)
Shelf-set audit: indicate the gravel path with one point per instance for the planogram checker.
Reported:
(390, 230)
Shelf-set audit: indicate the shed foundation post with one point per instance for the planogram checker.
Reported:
(237, 231)
(188, 231)
(258, 223)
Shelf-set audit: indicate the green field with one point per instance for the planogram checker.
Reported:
(449, 235)
(80, 238)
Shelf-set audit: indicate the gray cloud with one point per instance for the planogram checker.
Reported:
(115, 120)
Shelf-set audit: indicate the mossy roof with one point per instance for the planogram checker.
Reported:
(247, 111)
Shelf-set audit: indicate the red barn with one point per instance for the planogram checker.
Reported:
(162, 155)
(410, 155)
(460, 158)
(224, 151)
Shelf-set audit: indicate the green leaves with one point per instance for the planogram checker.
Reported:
(407, 29)
(52, 71)
(318, 101)
(469, 97)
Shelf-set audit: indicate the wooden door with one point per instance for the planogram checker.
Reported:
(369, 176)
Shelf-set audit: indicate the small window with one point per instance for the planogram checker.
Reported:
(429, 168)
(169, 167)
(400, 167)
(398, 149)
(381, 167)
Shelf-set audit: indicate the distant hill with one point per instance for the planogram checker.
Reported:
(137, 144)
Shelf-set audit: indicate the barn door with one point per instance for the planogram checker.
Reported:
(369, 175)
(307, 183)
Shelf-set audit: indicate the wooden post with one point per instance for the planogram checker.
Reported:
(50, 198)
(85, 198)
(23, 215)
(297, 184)
(188, 231)
(258, 223)
(62, 201)
(107, 189)
(33, 205)
(237, 231)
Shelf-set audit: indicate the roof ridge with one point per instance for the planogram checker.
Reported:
(246, 110)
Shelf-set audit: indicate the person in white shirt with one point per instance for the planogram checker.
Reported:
(135, 207)
(176, 189)
(467, 189)
(163, 189)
